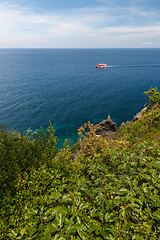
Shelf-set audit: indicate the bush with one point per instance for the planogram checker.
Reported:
(153, 96)
(97, 189)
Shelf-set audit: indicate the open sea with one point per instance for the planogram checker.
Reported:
(65, 87)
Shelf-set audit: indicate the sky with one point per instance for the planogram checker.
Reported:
(79, 23)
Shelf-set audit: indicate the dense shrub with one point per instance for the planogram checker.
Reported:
(153, 96)
(19, 153)
(97, 189)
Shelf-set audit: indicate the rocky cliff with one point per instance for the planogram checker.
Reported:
(139, 115)
(106, 127)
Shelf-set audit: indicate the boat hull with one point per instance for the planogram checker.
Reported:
(101, 65)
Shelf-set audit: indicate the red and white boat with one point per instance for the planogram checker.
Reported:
(102, 65)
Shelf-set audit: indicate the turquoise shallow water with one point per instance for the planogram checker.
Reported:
(64, 86)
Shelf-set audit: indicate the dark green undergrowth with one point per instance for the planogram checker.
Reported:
(97, 189)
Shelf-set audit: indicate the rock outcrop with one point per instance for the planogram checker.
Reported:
(139, 115)
(106, 127)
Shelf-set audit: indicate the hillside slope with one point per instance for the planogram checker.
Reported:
(98, 189)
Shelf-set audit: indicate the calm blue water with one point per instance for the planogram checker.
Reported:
(64, 86)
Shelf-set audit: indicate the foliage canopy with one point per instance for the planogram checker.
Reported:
(97, 189)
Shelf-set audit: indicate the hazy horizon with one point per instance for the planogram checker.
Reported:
(79, 24)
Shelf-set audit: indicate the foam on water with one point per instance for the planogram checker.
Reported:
(140, 65)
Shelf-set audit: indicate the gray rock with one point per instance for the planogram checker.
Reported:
(106, 127)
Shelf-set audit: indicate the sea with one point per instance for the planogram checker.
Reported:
(65, 87)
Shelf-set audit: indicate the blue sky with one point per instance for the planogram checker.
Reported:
(79, 23)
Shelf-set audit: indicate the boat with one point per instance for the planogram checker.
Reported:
(102, 65)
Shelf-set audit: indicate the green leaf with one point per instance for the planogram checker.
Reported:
(60, 214)
(66, 198)
(55, 195)
(50, 211)
(129, 196)
(108, 217)
(13, 234)
(157, 214)
(56, 237)
(54, 225)
(23, 231)
(82, 233)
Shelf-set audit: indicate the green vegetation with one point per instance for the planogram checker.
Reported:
(97, 189)
(153, 96)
